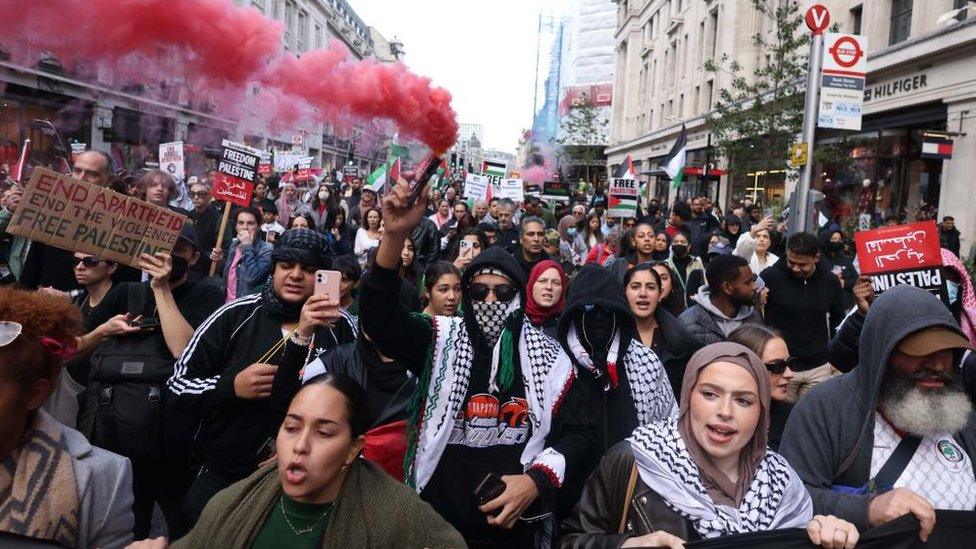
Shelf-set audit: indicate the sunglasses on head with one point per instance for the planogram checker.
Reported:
(90, 261)
(9, 332)
(780, 365)
(503, 292)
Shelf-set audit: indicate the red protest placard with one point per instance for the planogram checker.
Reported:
(232, 189)
(898, 248)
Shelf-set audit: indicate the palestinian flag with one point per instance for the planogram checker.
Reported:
(626, 169)
(674, 163)
(385, 175)
(497, 169)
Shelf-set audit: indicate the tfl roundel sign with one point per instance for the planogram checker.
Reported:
(845, 55)
(846, 51)
(817, 18)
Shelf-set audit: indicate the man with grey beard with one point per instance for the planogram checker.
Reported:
(897, 434)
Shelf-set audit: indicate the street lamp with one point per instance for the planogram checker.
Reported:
(559, 170)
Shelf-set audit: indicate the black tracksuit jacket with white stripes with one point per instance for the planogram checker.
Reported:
(235, 430)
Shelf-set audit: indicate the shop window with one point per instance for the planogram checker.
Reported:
(856, 15)
(901, 21)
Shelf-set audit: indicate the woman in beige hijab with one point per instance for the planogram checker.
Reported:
(704, 474)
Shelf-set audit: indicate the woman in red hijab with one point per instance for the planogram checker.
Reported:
(546, 295)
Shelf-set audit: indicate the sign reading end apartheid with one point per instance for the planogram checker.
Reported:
(73, 215)
(904, 254)
(622, 197)
(236, 173)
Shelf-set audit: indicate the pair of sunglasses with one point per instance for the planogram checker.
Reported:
(780, 365)
(201, 194)
(9, 332)
(503, 292)
(90, 261)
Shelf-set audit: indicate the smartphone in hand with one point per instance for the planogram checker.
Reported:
(327, 282)
(489, 488)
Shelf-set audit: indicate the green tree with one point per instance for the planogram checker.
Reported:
(758, 116)
(583, 134)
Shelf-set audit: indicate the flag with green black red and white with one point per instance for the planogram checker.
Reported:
(674, 163)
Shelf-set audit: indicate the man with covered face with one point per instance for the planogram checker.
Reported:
(895, 435)
(488, 390)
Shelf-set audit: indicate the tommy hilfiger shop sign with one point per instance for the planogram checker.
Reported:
(893, 88)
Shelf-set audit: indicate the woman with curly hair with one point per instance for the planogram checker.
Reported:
(88, 499)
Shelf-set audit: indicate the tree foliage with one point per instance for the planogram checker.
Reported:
(583, 133)
(758, 116)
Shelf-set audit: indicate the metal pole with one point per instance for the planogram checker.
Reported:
(535, 89)
(809, 129)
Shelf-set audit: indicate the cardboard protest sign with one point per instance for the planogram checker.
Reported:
(77, 149)
(236, 173)
(171, 159)
(622, 197)
(511, 188)
(350, 172)
(555, 190)
(285, 161)
(904, 254)
(73, 215)
(264, 164)
(476, 187)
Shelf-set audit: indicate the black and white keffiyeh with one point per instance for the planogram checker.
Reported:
(649, 387)
(491, 317)
(776, 498)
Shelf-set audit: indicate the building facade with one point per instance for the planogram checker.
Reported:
(130, 121)
(920, 57)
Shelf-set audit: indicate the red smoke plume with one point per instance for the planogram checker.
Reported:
(217, 50)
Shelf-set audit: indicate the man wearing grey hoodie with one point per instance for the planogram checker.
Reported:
(725, 302)
(897, 434)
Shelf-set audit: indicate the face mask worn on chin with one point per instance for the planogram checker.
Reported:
(180, 268)
(679, 250)
(952, 288)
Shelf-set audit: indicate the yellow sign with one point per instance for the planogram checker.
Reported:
(798, 155)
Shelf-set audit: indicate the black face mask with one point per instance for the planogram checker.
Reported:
(835, 246)
(595, 329)
(679, 250)
(180, 268)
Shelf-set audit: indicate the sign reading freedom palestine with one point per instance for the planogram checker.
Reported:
(76, 216)
(236, 173)
(904, 254)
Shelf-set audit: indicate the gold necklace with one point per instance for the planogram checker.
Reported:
(303, 531)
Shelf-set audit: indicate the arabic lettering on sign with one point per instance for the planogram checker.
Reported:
(897, 248)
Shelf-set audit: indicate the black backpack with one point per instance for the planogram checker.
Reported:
(132, 414)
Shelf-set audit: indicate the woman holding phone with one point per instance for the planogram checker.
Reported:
(471, 243)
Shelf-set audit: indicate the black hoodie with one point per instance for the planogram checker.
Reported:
(595, 285)
(799, 309)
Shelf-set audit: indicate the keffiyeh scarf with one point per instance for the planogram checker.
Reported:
(38, 489)
(775, 499)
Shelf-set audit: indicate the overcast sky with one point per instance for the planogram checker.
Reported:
(482, 52)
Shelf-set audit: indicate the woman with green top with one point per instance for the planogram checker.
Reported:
(319, 493)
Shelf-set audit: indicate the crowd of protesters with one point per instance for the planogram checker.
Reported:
(489, 374)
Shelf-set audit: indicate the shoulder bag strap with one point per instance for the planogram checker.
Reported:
(895, 464)
(631, 484)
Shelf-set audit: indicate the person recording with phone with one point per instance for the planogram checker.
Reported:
(226, 373)
(488, 443)
(248, 259)
(136, 332)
